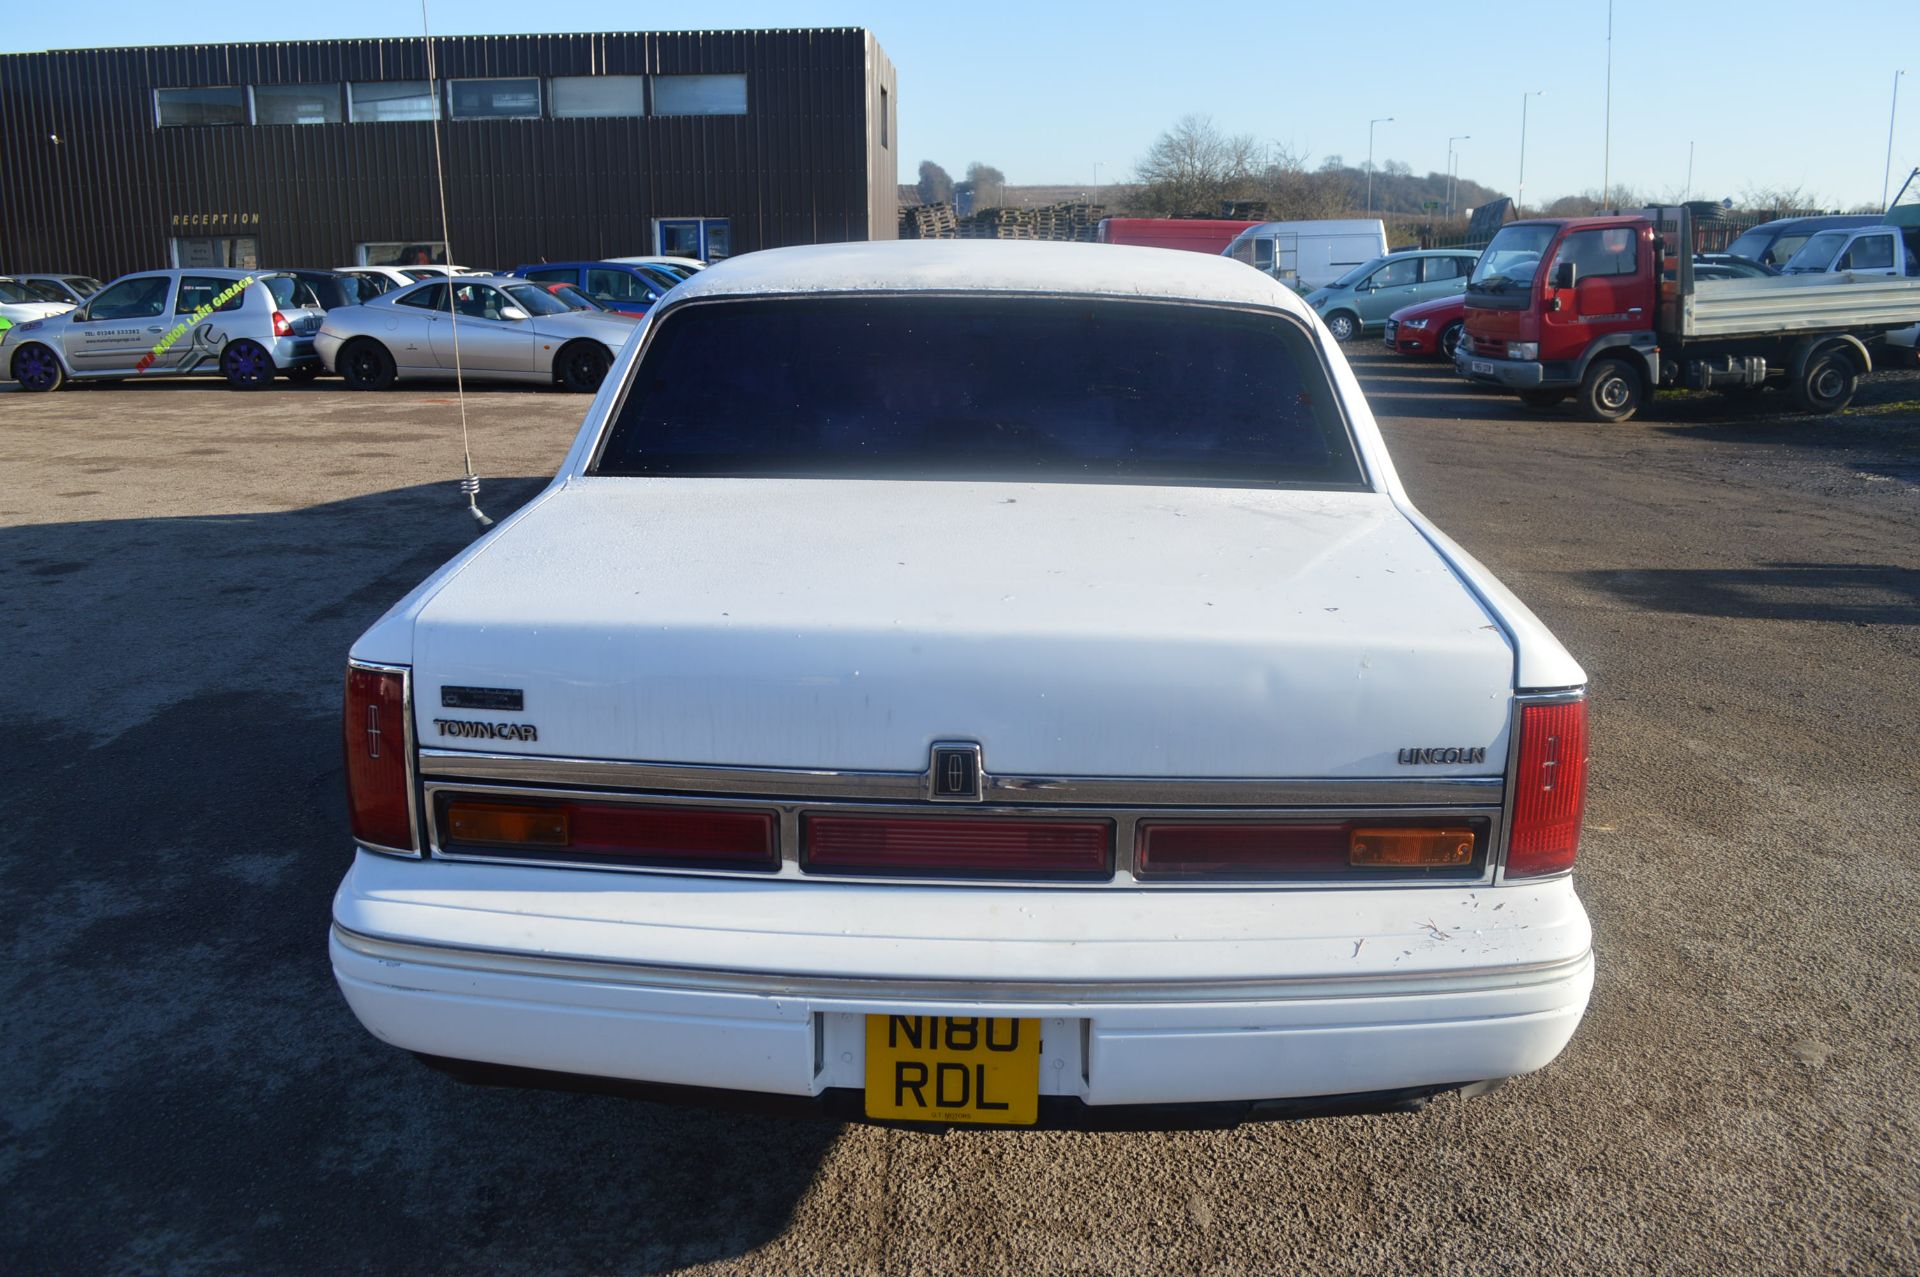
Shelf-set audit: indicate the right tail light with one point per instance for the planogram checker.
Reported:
(1549, 789)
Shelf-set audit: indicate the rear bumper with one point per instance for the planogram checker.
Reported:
(520, 981)
(292, 352)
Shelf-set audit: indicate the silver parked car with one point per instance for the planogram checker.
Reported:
(509, 330)
(242, 325)
(61, 288)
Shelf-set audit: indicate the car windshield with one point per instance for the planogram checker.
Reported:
(85, 285)
(1756, 243)
(421, 273)
(574, 298)
(1818, 252)
(10, 291)
(536, 301)
(1511, 259)
(981, 388)
(1355, 275)
(43, 291)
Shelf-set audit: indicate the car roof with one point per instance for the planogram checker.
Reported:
(992, 266)
(1821, 222)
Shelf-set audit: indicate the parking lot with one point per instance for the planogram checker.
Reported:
(185, 1092)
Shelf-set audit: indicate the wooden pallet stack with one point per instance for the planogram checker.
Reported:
(928, 221)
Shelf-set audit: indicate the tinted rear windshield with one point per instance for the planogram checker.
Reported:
(981, 388)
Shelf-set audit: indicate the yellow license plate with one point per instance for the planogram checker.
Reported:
(941, 1068)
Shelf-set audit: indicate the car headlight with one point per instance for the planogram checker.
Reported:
(1523, 350)
(1414, 323)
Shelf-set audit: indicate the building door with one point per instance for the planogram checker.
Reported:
(235, 252)
(707, 238)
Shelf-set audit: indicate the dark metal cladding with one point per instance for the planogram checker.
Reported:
(804, 165)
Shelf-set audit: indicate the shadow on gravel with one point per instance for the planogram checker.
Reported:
(182, 1088)
(1860, 593)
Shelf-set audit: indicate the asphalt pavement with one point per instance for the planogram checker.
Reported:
(183, 1091)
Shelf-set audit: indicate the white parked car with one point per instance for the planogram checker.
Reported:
(971, 682)
(20, 304)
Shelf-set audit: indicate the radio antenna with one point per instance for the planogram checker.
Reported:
(469, 482)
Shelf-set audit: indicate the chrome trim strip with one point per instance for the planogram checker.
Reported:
(1125, 825)
(911, 787)
(412, 753)
(1079, 992)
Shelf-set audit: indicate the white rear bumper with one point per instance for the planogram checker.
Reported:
(1146, 997)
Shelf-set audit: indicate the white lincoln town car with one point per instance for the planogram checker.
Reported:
(970, 682)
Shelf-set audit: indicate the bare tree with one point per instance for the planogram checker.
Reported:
(988, 184)
(1193, 166)
(1779, 200)
(935, 186)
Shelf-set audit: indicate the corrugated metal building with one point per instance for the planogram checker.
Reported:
(556, 147)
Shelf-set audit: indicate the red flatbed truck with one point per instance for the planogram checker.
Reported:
(1606, 310)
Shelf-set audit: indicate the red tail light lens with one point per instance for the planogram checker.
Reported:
(619, 833)
(1549, 789)
(379, 766)
(281, 328)
(967, 846)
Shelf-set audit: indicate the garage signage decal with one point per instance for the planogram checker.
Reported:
(180, 330)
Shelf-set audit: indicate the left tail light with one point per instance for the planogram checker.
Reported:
(379, 744)
(281, 326)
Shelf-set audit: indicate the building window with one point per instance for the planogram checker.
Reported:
(296, 104)
(706, 239)
(181, 108)
(384, 101)
(493, 99)
(883, 119)
(699, 95)
(402, 253)
(598, 97)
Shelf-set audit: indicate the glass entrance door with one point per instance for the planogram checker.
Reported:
(234, 252)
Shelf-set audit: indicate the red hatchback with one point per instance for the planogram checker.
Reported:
(1428, 328)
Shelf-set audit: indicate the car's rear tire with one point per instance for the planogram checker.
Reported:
(1344, 325)
(366, 365)
(1450, 338)
(246, 365)
(582, 366)
(303, 374)
(1542, 399)
(1612, 390)
(36, 368)
(1827, 382)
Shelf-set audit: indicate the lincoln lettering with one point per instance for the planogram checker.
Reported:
(487, 731)
(1461, 754)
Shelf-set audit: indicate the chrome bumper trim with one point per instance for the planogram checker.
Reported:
(911, 787)
(1078, 992)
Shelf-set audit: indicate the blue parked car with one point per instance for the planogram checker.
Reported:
(623, 286)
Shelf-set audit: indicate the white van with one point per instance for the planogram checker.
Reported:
(1308, 255)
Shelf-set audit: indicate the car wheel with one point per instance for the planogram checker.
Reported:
(303, 374)
(247, 365)
(1343, 326)
(583, 366)
(1611, 391)
(1450, 338)
(1827, 383)
(366, 365)
(1542, 398)
(36, 368)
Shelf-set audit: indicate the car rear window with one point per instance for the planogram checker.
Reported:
(981, 388)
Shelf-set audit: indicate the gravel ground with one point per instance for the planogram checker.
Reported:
(183, 1090)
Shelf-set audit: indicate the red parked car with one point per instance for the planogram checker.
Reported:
(1428, 328)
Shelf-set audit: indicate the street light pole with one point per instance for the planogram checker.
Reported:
(1887, 172)
(1606, 147)
(1458, 137)
(1520, 191)
(1096, 181)
(1688, 193)
(1385, 119)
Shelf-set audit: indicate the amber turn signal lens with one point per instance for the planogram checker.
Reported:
(499, 823)
(1415, 847)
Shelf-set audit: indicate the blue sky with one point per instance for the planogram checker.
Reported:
(1772, 93)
